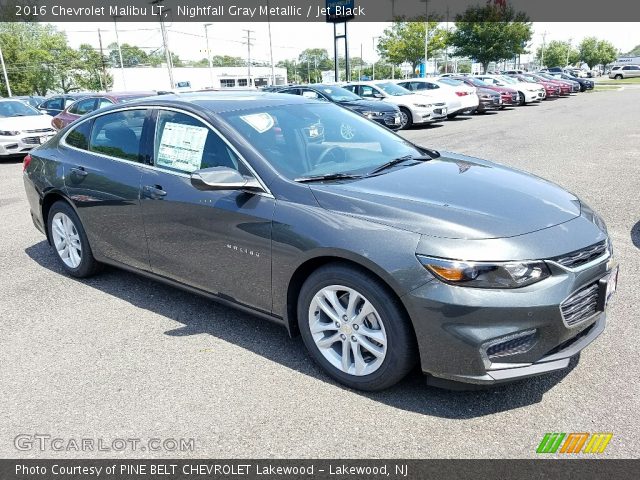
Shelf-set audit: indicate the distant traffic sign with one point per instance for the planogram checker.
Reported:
(340, 10)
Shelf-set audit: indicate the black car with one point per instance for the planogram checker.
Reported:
(584, 83)
(487, 99)
(56, 104)
(380, 253)
(383, 113)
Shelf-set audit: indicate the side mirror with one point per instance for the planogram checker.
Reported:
(377, 95)
(223, 178)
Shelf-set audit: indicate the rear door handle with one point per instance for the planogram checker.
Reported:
(154, 192)
(79, 171)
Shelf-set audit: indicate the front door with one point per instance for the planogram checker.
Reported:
(217, 241)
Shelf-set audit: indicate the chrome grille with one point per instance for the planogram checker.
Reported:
(583, 256)
(581, 305)
(40, 130)
(31, 140)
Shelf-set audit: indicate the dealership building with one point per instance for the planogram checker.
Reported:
(157, 78)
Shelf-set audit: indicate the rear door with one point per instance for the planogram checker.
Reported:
(103, 168)
(217, 241)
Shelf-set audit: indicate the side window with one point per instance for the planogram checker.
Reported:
(104, 102)
(184, 144)
(118, 134)
(351, 88)
(83, 106)
(312, 94)
(54, 104)
(421, 86)
(79, 136)
(67, 102)
(366, 91)
(626, 68)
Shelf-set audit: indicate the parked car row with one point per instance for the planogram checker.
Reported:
(399, 104)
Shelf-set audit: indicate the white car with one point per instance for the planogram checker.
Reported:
(22, 127)
(527, 92)
(414, 109)
(458, 96)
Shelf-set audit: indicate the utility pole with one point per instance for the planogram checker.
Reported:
(426, 34)
(568, 50)
(115, 24)
(249, 45)
(315, 68)
(103, 81)
(165, 44)
(446, 47)
(308, 70)
(4, 71)
(360, 69)
(206, 35)
(373, 67)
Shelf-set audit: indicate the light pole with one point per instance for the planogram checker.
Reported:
(206, 35)
(165, 44)
(273, 72)
(426, 34)
(4, 71)
(115, 24)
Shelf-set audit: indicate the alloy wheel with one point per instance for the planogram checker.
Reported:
(347, 330)
(66, 240)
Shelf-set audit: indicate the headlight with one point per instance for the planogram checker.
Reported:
(486, 274)
(486, 97)
(422, 105)
(371, 114)
(9, 133)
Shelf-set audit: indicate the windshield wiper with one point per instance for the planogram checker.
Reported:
(329, 176)
(396, 161)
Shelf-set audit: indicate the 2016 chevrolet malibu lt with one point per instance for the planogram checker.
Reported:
(381, 253)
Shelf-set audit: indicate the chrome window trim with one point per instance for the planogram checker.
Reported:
(63, 141)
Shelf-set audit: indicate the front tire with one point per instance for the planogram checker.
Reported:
(406, 120)
(69, 241)
(521, 99)
(355, 329)
(618, 77)
(451, 116)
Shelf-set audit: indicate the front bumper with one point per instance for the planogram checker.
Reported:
(24, 142)
(460, 329)
(494, 103)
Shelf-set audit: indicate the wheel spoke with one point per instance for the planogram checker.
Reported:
(58, 228)
(328, 341)
(376, 335)
(370, 347)
(332, 298)
(318, 327)
(354, 300)
(366, 310)
(358, 359)
(346, 355)
(327, 309)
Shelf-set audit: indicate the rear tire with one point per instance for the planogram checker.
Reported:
(451, 116)
(355, 329)
(69, 241)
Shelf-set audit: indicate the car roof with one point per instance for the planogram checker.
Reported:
(219, 102)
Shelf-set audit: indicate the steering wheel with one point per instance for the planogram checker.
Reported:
(332, 150)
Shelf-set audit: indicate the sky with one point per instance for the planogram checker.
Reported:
(187, 40)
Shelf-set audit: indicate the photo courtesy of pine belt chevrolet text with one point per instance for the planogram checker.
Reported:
(383, 255)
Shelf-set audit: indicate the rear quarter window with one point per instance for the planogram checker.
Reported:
(79, 136)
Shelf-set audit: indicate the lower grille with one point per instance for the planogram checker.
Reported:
(31, 140)
(580, 306)
(521, 343)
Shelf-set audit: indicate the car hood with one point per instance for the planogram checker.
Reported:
(502, 90)
(453, 196)
(30, 122)
(369, 105)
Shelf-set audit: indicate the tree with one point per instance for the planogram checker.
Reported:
(312, 61)
(89, 73)
(597, 52)
(555, 54)
(634, 52)
(131, 56)
(405, 42)
(491, 33)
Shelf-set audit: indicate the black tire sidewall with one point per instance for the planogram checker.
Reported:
(88, 264)
(409, 123)
(400, 356)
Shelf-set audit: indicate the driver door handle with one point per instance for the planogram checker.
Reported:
(79, 171)
(154, 192)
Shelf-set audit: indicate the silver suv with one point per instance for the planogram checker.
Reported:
(628, 71)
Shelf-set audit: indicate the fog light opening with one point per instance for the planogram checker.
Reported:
(514, 344)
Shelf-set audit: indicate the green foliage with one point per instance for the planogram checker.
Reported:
(597, 52)
(404, 42)
(555, 54)
(634, 52)
(491, 33)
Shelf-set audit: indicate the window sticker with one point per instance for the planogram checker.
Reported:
(181, 146)
(261, 122)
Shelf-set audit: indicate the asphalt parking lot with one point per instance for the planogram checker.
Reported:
(118, 356)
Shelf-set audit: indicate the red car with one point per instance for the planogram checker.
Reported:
(565, 88)
(551, 89)
(508, 95)
(94, 102)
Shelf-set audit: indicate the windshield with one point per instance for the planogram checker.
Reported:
(338, 94)
(303, 140)
(15, 108)
(450, 81)
(393, 89)
(477, 82)
(508, 79)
